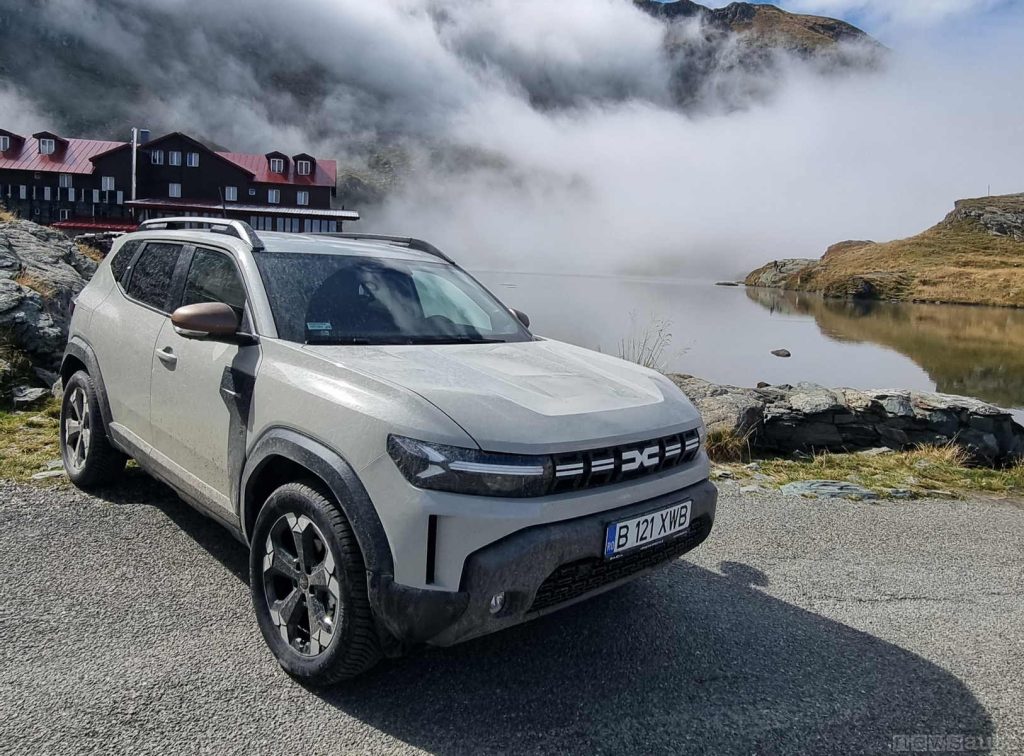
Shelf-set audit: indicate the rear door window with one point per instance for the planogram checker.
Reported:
(150, 280)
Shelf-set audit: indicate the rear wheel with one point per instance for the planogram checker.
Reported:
(89, 458)
(308, 585)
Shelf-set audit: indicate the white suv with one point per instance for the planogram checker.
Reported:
(405, 460)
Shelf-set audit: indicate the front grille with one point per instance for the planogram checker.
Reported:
(579, 578)
(602, 467)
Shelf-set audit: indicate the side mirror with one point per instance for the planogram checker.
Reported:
(207, 320)
(521, 316)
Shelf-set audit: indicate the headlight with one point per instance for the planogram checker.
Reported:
(470, 471)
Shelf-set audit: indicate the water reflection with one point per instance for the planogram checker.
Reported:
(974, 351)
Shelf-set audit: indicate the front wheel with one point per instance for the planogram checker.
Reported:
(89, 458)
(308, 587)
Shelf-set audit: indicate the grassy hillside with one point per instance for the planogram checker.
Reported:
(974, 256)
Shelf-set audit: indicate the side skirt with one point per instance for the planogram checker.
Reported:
(190, 489)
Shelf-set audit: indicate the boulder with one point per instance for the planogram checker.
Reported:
(41, 270)
(775, 273)
(809, 418)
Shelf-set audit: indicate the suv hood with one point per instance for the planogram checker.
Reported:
(532, 397)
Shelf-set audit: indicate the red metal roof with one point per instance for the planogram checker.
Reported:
(177, 204)
(74, 159)
(326, 173)
(96, 224)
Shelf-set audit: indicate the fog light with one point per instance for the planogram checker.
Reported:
(497, 602)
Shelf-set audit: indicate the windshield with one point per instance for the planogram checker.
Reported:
(351, 299)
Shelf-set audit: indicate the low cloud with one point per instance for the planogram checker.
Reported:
(581, 135)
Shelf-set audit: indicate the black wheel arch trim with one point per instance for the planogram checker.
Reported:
(339, 476)
(80, 350)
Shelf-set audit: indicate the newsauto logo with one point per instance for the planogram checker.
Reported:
(634, 459)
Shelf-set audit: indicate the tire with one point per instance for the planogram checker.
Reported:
(305, 568)
(90, 460)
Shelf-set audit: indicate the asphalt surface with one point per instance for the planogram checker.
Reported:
(799, 627)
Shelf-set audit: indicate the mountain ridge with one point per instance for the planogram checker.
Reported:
(765, 25)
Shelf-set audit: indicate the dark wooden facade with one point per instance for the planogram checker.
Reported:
(88, 183)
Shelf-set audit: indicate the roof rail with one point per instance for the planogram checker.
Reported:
(237, 228)
(418, 244)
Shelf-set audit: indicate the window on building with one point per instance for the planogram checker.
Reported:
(174, 157)
(276, 165)
(213, 277)
(107, 183)
(71, 194)
(330, 227)
(23, 191)
(65, 180)
(120, 198)
(5, 143)
(174, 190)
(95, 196)
(150, 280)
(192, 160)
(231, 193)
(273, 196)
(47, 146)
(156, 157)
(46, 193)
(252, 191)
(302, 198)
(64, 214)
(302, 167)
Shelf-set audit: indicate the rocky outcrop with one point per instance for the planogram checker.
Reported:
(776, 273)
(999, 216)
(41, 270)
(808, 418)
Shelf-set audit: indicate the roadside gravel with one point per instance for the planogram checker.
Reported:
(800, 626)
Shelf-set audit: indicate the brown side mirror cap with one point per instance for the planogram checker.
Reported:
(521, 316)
(206, 320)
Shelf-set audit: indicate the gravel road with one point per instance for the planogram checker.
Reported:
(800, 626)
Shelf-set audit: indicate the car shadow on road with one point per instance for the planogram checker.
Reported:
(686, 660)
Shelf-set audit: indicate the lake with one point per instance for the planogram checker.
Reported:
(727, 334)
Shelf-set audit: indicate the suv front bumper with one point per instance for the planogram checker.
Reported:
(540, 569)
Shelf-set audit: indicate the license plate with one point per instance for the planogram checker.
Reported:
(644, 530)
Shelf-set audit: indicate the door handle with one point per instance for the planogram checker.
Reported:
(168, 357)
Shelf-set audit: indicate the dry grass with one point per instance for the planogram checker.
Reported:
(38, 285)
(647, 345)
(924, 471)
(91, 252)
(727, 446)
(7, 216)
(957, 261)
(28, 440)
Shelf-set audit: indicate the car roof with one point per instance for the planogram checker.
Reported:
(291, 243)
(320, 244)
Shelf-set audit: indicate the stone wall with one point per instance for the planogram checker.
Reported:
(807, 417)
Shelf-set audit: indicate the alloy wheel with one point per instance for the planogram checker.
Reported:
(77, 429)
(301, 584)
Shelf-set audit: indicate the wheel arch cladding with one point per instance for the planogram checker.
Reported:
(78, 355)
(282, 455)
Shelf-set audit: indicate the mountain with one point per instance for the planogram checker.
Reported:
(766, 25)
(975, 255)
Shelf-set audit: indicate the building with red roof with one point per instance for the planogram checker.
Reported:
(91, 184)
